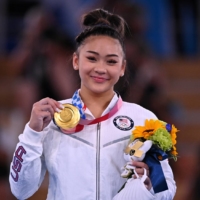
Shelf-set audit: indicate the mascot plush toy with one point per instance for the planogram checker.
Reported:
(136, 150)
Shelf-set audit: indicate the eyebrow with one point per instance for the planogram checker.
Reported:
(109, 55)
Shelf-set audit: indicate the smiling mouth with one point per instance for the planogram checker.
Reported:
(99, 79)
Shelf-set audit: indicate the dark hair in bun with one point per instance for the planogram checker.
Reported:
(101, 22)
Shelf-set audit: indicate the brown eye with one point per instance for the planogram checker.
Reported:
(112, 62)
(91, 58)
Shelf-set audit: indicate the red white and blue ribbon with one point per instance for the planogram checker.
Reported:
(76, 101)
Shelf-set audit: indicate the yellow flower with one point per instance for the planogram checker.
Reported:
(173, 134)
(160, 133)
(174, 152)
(148, 129)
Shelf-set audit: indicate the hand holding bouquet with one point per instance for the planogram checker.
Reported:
(151, 143)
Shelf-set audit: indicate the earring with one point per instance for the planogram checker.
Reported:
(75, 67)
(122, 75)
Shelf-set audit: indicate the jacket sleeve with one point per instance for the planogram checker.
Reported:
(28, 168)
(170, 193)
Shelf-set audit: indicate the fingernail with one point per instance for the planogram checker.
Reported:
(58, 110)
(61, 106)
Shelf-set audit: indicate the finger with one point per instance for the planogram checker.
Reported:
(147, 183)
(55, 105)
(47, 119)
(58, 104)
(138, 164)
(44, 114)
(140, 171)
(47, 108)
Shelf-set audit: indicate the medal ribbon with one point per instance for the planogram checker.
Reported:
(76, 101)
(103, 118)
(84, 121)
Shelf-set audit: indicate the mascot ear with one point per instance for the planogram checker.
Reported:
(146, 146)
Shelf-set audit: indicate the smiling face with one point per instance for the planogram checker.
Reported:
(100, 61)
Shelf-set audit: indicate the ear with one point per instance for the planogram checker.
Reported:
(146, 146)
(75, 61)
(123, 68)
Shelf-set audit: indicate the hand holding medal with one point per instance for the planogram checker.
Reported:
(43, 112)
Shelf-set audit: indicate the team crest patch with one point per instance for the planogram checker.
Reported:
(123, 123)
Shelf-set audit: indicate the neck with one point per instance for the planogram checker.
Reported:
(95, 102)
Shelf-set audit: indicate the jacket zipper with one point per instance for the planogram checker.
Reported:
(98, 163)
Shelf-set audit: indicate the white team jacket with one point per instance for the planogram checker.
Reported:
(82, 166)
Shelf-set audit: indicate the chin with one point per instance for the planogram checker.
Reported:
(100, 90)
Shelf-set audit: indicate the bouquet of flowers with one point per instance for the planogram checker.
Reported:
(162, 135)
(152, 143)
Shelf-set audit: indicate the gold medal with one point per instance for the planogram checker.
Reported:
(67, 118)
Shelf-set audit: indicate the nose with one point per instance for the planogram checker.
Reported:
(100, 68)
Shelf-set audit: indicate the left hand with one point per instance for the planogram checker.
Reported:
(139, 168)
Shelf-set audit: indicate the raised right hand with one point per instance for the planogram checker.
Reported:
(43, 112)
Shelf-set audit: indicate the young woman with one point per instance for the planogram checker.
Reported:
(84, 161)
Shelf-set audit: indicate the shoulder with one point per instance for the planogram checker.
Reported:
(138, 110)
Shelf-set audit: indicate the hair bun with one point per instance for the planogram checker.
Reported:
(100, 16)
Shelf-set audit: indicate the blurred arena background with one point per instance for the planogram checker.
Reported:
(163, 56)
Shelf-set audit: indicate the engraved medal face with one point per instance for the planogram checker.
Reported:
(68, 118)
(65, 115)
